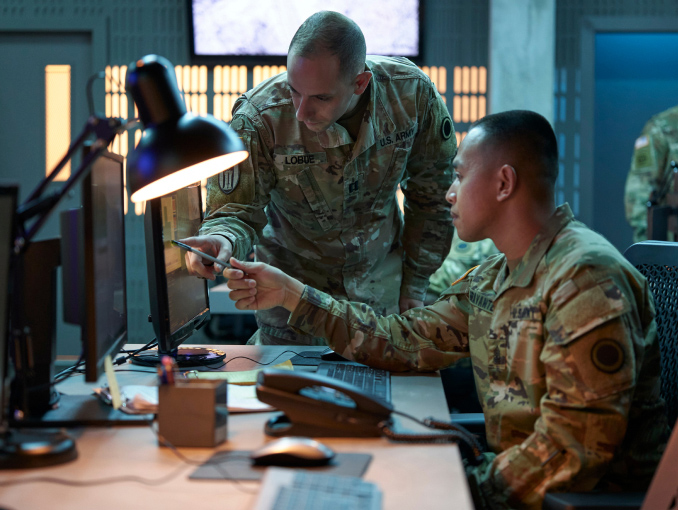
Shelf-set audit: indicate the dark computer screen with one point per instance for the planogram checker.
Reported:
(8, 199)
(179, 301)
(93, 262)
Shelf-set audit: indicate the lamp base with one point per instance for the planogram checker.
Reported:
(27, 449)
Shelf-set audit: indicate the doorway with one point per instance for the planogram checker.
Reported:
(23, 59)
(636, 77)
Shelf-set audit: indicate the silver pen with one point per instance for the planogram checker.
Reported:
(202, 254)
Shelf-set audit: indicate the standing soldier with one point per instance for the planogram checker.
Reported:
(651, 175)
(330, 140)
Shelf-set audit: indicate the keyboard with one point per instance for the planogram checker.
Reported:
(294, 489)
(373, 381)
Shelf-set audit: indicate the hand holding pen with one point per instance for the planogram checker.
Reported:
(202, 264)
(201, 254)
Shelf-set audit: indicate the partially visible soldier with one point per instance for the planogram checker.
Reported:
(651, 175)
(559, 327)
(462, 257)
(330, 140)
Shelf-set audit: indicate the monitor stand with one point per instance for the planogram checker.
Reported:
(83, 411)
(186, 357)
(20, 449)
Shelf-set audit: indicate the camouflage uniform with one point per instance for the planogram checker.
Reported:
(322, 207)
(565, 358)
(462, 257)
(651, 169)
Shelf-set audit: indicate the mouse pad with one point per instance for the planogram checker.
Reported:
(236, 465)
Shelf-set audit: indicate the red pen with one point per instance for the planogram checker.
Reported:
(168, 365)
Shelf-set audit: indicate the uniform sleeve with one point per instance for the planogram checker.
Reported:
(428, 227)
(236, 198)
(589, 358)
(422, 339)
(647, 178)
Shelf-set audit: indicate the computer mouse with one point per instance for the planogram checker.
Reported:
(330, 355)
(293, 451)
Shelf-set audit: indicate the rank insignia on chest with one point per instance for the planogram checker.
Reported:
(228, 179)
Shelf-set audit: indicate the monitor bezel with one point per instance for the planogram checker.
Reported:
(12, 192)
(168, 341)
(94, 360)
(278, 60)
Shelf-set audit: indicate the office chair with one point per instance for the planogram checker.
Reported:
(658, 262)
(462, 399)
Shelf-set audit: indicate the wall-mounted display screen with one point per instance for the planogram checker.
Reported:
(265, 29)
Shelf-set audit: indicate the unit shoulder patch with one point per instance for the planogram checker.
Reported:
(608, 356)
(228, 179)
(446, 128)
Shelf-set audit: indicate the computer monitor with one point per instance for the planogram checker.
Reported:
(93, 264)
(19, 448)
(8, 197)
(179, 301)
(91, 252)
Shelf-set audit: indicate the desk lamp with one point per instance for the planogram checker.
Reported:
(176, 149)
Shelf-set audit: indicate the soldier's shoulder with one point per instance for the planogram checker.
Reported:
(668, 119)
(393, 68)
(577, 248)
(271, 93)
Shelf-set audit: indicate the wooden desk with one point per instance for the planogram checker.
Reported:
(410, 476)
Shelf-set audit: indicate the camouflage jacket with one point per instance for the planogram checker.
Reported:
(565, 359)
(651, 171)
(323, 207)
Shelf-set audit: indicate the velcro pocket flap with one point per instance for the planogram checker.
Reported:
(586, 311)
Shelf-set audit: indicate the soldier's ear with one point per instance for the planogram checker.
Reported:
(361, 82)
(506, 182)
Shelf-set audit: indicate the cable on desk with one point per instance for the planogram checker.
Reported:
(136, 479)
(216, 463)
(92, 483)
(259, 362)
(74, 369)
(469, 447)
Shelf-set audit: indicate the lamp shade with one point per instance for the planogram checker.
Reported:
(177, 148)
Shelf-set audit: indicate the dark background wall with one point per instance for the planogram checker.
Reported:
(94, 33)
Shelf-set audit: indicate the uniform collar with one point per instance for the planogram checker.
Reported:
(523, 274)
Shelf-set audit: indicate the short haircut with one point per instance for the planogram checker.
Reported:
(527, 136)
(333, 33)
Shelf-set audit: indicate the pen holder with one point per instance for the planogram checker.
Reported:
(193, 412)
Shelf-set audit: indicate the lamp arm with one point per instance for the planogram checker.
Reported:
(105, 129)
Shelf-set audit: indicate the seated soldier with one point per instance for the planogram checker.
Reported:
(559, 327)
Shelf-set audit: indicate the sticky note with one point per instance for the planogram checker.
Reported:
(112, 383)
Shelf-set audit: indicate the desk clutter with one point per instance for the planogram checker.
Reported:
(193, 413)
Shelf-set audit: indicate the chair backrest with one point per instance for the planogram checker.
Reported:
(658, 262)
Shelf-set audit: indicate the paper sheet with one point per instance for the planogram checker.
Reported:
(144, 399)
(242, 396)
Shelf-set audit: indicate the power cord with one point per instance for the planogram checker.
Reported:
(469, 446)
(217, 463)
